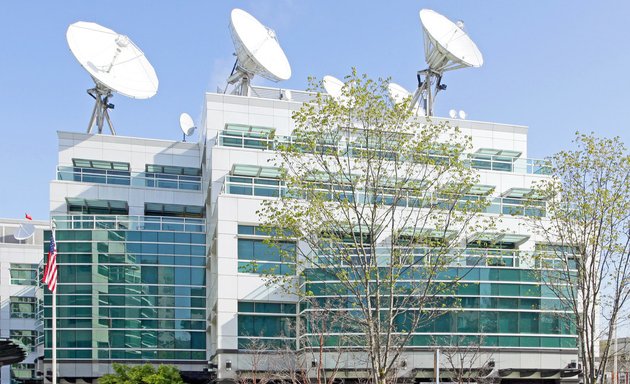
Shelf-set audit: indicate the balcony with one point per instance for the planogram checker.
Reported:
(133, 223)
(264, 139)
(135, 179)
(270, 187)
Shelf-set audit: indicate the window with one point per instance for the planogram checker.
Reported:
(25, 337)
(255, 256)
(176, 210)
(523, 201)
(23, 307)
(101, 164)
(24, 274)
(91, 207)
(96, 171)
(247, 136)
(265, 325)
(494, 159)
(253, 180)
(168, 176)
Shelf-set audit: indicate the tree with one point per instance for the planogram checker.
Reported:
(377, 200)
(586, 262)
(259, 369)
(142, 374)
(282, 362)
(466, 361)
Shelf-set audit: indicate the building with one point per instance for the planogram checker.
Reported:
(20, 298)
(131, 239)
(153, 235)
(525, 341)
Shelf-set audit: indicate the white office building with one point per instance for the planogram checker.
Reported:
(526, 342)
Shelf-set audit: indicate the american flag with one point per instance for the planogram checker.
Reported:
(50, 271)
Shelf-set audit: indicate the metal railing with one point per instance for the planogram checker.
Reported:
(137, 179)
(262, 187)
(133, 223)
(476, 161)
(419, 255)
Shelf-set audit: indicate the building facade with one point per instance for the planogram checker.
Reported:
(518, 324)
(156, 240)
(131, 233)
(20, 298)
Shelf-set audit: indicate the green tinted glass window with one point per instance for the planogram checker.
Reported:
(508, 322)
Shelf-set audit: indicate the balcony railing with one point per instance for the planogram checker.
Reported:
(419, 255)
(476, 161)
(263, 187)
(133, 223)
(136, 179)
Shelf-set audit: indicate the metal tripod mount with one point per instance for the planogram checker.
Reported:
(100, 113)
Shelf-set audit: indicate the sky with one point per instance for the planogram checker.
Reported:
(555, 66)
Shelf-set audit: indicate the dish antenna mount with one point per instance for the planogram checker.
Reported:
(446, 47)
(115, 64)
(257, 52)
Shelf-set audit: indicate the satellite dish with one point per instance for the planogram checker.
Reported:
(24, 232)
(187, 125)
(115, 63)
(462, 115)
(446, 47)
(452, 113)
(257, 52)
(333, 86)
(398, 94)
(286, 94)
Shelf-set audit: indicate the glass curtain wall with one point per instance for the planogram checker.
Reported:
(129, 288)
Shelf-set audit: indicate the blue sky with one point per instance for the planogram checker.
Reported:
(555, 66)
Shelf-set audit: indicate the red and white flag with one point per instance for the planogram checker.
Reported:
(28, 217)
(50, 271)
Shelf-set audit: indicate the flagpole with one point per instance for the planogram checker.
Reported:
(54, 319)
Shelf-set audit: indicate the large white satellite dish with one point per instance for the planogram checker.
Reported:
(187, 124)
(446, 47)
(257, 52)
(398, 94)
(25, 231)
(115, 63)
(333, 86)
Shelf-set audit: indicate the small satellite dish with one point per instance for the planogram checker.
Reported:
(333, 86)
(398, 94)
(257, 52)
(286, 94)
(462, 115)
(115, 63)
(446, 47)
(452, 113)
(187, 125)
(24, 232)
